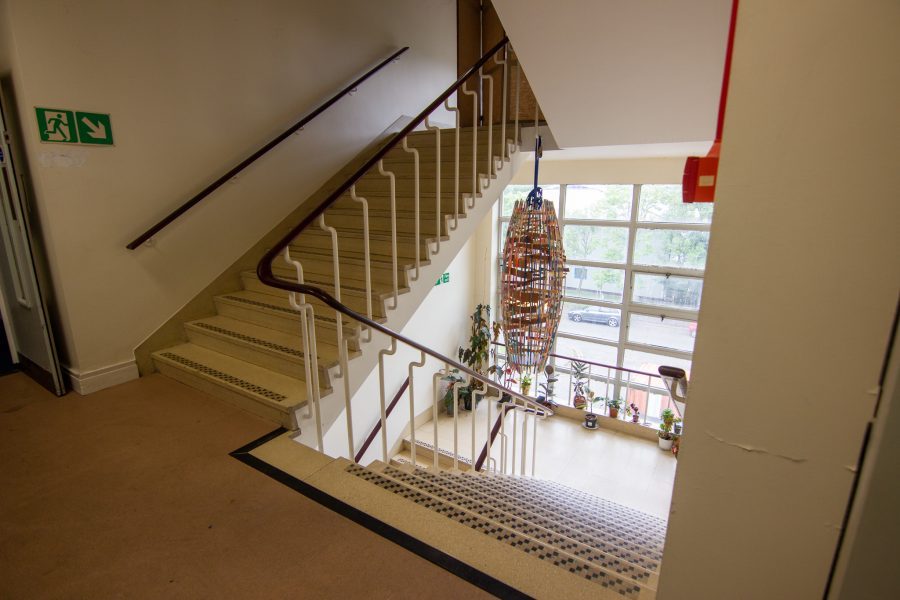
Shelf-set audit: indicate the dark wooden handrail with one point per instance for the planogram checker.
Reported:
(259, 153)
(264, 268)
(377, 428)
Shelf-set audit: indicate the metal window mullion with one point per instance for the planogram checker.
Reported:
(670, 352)
(674, 226)
(674, 271)
(625, 323)
(591, 302)
(649, 310)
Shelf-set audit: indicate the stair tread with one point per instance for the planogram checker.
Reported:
(282, 306)
(272, 339)
(274, 389)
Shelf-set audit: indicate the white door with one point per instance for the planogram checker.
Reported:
(22, 305)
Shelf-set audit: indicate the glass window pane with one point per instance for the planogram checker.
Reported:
(669, 248)
(600, 353)
(504, 225)
(663, 204)
(670, 291)
(519, 192)
(605, 244)
(593, 321)
(650, 363)
(607, 202)
(595, 283)
(676, 334)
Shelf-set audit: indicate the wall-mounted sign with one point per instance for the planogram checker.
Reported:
(445, 278)
(61, 126)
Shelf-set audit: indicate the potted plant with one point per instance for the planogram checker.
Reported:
(477, 355)
(635, 412)
(613, 405)
(678, 426)
(546, 395)
(666, 437)
(580, 384)
(590, 418)
(455, 379)
(526, 384)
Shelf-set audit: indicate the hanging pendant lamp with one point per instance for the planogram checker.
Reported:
(532, 276)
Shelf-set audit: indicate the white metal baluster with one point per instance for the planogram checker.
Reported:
(415, 154)
(304, 330)
(503, 440)
(345, 352)
(455, 109)
(475, 189)
(434, 415)
(366, 255)
(518, 132)
(524, 442)
(390, 175)
(487, 443)
(627, 387)
(491, 171)
(335, 264)
(412, 408)
(437, 183)
(310, 316)
(515, 413)
(534, 445)
(456, 425)
(504, 147)
(474, 401)
(606, 395)
(381, 355)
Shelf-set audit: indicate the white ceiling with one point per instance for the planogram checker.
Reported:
(622, 73)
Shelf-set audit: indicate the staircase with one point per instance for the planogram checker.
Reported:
(250, 352)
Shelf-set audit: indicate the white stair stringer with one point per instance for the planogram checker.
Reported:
(433, 266)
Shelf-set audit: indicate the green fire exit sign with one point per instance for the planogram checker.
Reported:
(62, 126)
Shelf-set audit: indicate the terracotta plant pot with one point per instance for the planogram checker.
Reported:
(613, 413)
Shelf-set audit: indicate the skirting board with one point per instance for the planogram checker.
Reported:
(93, 381)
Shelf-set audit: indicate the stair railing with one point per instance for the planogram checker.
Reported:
(234, 171)
(308, 299)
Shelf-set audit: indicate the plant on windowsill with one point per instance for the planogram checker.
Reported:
(526, 384)
(613, 404)
(666, 437)
(456, 380)
(546, 395)
(590, 418)
(634, 412)
(580, 385)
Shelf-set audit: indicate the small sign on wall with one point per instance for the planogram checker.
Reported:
(445, 278)
(62, 126)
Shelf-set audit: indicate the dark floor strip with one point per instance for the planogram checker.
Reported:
(431, 554)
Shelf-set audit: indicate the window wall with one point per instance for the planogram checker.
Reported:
(636, 255)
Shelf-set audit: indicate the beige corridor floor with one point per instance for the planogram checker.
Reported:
(130, 493)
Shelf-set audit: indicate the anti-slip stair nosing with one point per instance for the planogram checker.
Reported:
(285, 310)
(645, 520)
(500, 533)
(572, 531)
(231, 380)
(430, 553)
(528, 528)
(622, 534)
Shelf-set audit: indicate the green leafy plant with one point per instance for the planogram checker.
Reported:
(581, 384)
(526, 383)
(613, 403)
(477, 355)
(456, 379)
(668, 421)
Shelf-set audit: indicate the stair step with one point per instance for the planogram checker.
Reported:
(276, 350)
(630, 583)
(425, 455)
(276, 313)
(255, 389)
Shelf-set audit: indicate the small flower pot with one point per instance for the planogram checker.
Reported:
(678, 429)
(635, 418)
(665, 444)
(613, 413)
(590, 421)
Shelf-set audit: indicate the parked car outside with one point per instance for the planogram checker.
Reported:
(595, 314)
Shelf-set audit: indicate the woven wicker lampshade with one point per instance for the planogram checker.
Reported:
(531, 283)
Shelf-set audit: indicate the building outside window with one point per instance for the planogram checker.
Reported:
(636, 255)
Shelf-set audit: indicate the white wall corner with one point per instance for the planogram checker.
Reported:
(88, 382)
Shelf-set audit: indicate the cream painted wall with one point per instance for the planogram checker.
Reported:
(800, 290)
(192, 88)
(442, 323)
(638, 170)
